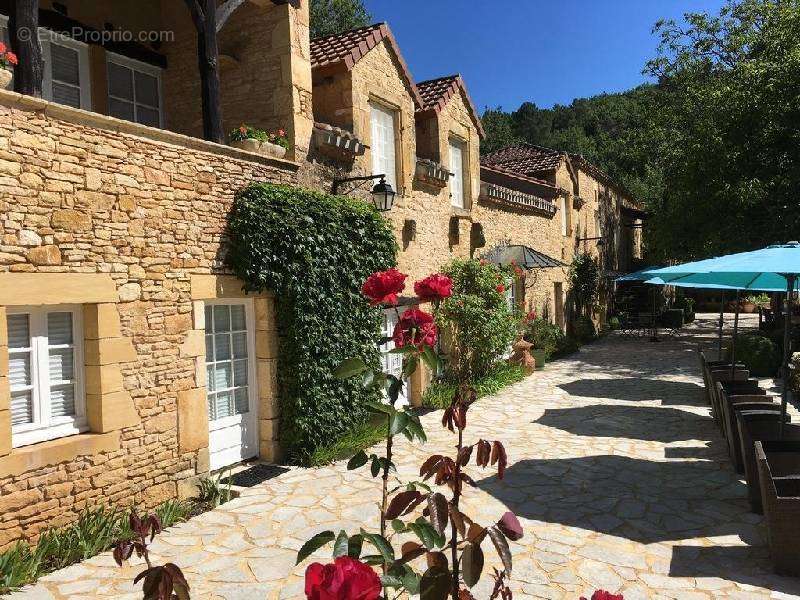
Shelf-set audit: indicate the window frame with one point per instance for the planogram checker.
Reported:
(141, 67)
(252, 360)
(45, 428)
(394, 113)
(461, 146)
(49, 38)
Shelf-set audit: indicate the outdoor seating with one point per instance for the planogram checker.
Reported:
(707, 363)
(741, 384)
(731, 405)
(759, 426)
(780, 494)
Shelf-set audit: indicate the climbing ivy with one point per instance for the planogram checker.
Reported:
(313, 251)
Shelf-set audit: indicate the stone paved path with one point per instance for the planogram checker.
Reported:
(618, 474)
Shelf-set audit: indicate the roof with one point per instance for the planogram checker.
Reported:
(341, 52)
(525, 159)
(436, 93)
(523, 256)
(599, 174)
(526, 178)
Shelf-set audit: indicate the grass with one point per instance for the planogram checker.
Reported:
(362, 437)
(439, 395)
(95, 531)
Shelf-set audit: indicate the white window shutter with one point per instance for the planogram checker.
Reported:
(20, 369)
(61, 361)
(457, 177)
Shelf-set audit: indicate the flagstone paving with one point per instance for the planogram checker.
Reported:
(617, 473)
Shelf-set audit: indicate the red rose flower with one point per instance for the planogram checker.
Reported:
(345, 579)
(604, 595)
(415, 328)
(12, 58)
(383, 287)
(281, 133)
(530, 317)
(434, 287)
(501, 288)
(2, 48)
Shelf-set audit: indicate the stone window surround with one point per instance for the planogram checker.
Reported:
(193, 434)
(109, 407)
(393, 106)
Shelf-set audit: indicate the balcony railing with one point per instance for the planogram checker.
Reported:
(519, 200)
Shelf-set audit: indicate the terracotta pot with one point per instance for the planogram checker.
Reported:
(5, 79)
(259, 147)
(748, 307)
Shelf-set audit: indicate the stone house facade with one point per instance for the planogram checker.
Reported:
(130, 361)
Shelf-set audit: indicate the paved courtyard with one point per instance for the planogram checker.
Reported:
(616, 471)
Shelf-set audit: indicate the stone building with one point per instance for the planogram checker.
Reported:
(130, 361)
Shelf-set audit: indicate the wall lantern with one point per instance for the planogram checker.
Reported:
(600, 242)
(382, 193)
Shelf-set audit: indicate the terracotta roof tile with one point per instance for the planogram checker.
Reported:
(342, 51)
(436, 93)
(525, 159)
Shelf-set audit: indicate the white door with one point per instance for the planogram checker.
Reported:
(231, 382)
(457, 175)
(382, 144)
(393, 363)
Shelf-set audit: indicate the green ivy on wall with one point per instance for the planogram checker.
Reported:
(313, 251)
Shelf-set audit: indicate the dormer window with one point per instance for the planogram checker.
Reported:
(457, 174)
(383, 144)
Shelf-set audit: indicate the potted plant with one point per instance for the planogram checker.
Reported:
(259, 141)
(537, 351)
(8, 60)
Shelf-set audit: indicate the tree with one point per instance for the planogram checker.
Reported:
(336, 16)
(730, 114)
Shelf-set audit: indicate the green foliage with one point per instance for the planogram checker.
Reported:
(363, 436)
(336, 16)
(95, 531)
(212, 492)
(759, 353)
(314, 251)
(476, 320)
(583, 279)
(550, 338)
(440, 394)
(246, 132)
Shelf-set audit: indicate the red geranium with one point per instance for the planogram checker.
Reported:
(345, 579)
(604, 595)
(530, 317)
(434, 287)
(382, 287)
(501, 288)
(415, 328)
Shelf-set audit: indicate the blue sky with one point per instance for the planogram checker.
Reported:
(548, 52)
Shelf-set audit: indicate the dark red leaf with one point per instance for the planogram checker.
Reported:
(447, 418)
(510, 526)
(464, 455)
(499, 456)
(430, 466)
(437, 559)
(501, 545)
(460, 417)
(437, 509)
(135, 522)
(400, 503)
(458, 520)
(472, 564)
(483, 453)
(476, 533)
(154, 525)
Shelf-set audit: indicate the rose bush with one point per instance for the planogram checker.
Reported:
(384, 286)
(345, 579)
(415, 328)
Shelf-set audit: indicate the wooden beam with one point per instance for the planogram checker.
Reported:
(225, 11)
(208, 63)
(23, 33)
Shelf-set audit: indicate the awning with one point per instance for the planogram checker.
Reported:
(522, 256)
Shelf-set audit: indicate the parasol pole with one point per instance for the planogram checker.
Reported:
(787, 327)
(721, 311)
(735, 332)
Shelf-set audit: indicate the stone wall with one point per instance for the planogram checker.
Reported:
(121, 219)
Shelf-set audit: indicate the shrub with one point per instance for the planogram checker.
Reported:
(476, 320)
(759, 353)
(314, 251)
(584, 330)
(583, 279)
(549, 337)
(440, 394)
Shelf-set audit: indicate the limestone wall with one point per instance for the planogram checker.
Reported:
(128, 222)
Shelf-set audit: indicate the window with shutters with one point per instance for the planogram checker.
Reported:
(456, 174)
(134, 91)
(384, 143)
(45, 373)
(228, 364)
(66, 70)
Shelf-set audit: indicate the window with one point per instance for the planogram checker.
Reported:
(564, 208)
(456, 175)
(44, 363)
(228, 364)
(66, 70)
(383, 144)
(134, 91)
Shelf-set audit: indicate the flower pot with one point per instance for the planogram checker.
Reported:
(748, 307)
(539, 356)
(5, 79)
(259, 147)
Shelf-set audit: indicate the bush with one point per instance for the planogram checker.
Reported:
(760, 354)
(440, 394)
(584, 330)
(613, 323)
(314, 251)
(549, 337)
(477, 323)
